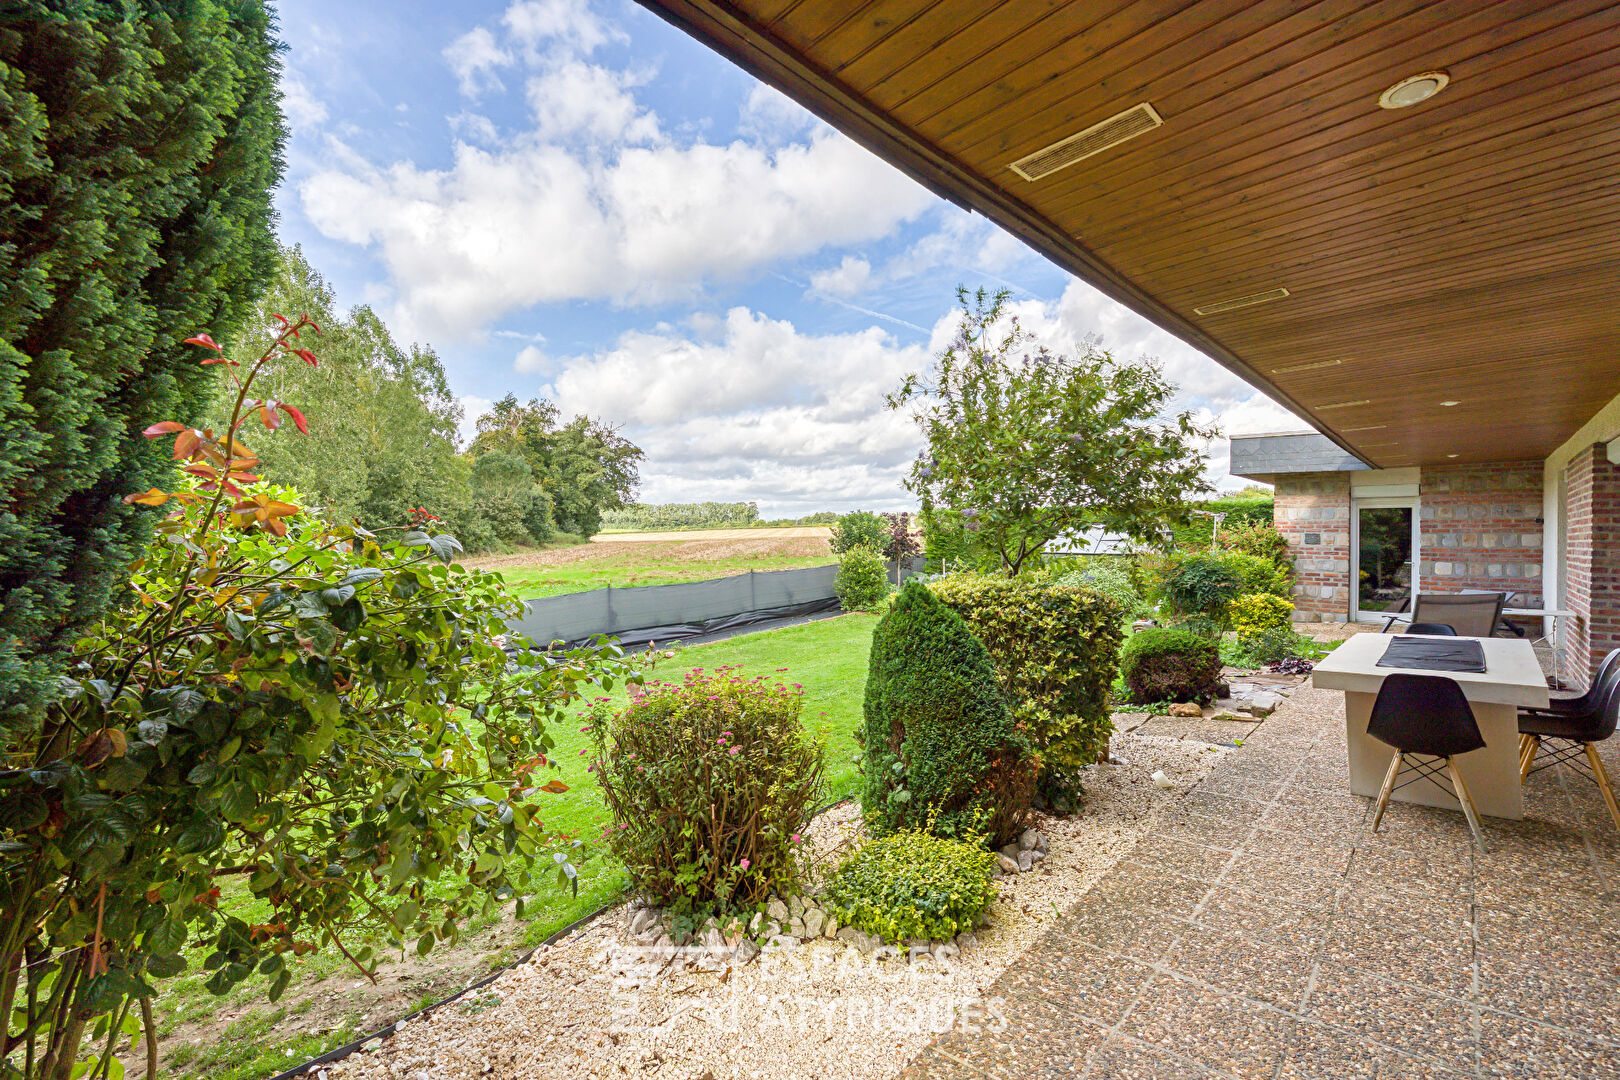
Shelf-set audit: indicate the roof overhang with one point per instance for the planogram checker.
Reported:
(1464, 249)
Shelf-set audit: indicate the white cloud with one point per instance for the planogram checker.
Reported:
(771, 116)
(562, 24)
(504, 229)
(530, 359)
(576, 99)
(471, 409)
(846, 279)
(302, 108)
(475, 57)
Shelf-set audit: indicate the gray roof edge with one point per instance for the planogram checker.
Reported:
(1255, 457)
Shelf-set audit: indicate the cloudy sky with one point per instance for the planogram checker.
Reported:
(576, 201)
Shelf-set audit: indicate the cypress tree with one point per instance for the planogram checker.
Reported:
(139, 144)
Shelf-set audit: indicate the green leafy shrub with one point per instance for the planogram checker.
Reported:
(911, 885)
(859, 529)
(1253, 613)
(942, 749)
(326, 712)
(710, 781)
(862, 582)
(1257, 574)
(1055, 648)
(1261, 539)
(1201, 585)
(1161, 664)
(1112, 577)
(142, 146)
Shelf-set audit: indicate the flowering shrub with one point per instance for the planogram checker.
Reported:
(1253, 613)
(910, 885)
(863, 580)
(710, 781)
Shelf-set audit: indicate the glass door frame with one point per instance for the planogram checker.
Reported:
(1400, 502)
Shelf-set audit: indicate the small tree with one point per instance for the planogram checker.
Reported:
(858, 528)
(1025, 445)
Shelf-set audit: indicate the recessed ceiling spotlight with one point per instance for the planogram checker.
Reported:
(1413, 90)
(1449, 404)
(1343, 404)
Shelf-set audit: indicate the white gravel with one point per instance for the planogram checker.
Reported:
(586, 1007)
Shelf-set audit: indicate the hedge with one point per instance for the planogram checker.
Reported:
(1055, 647)
(1161, 664)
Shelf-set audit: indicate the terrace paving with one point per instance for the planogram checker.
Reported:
(1263, 931)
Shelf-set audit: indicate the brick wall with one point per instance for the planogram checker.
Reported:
(1479, 529)
(1592, 561)
(1313, 512)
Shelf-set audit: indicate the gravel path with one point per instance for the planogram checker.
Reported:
(592, 1006)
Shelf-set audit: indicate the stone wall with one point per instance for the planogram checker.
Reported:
(1481, 529)
(1592, 561)
(1313, 512)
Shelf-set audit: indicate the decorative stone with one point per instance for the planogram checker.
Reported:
(1029, 839)
(1011, 851)
(1186, 708)
(1223, 688)
(1006, 865)
(745, 951)
(795, 906)
(848, 934)
(641, 921)
(784, 941)
(831, 929)
(796, 926)
(756, 922)
(1036, 856)
(919, 947)
(1026, 861)
(1263, 704)
(713, 938)
(1040, 843)
(777, 910)
(966, 940)
(945, 951)
(815, 920)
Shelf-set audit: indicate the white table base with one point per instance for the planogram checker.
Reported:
(1491, 773)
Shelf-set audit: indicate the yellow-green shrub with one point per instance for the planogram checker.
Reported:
(1255, 613)
(910, 885)
(1055, 648)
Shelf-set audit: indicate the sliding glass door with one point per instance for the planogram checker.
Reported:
(1383, 545)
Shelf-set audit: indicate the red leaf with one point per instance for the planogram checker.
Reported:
(221, 360)
(207, 471)
(282, 319)
(556, 787)
(206, 342)
(149, 497)
(186, 443)
(297, 417)
(312, 325)
(269, 416)
(308, 357)
(163, 428)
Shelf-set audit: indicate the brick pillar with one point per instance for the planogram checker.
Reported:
(1313, 512)
(1592, 561)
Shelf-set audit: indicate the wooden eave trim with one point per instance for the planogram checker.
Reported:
(753, 48)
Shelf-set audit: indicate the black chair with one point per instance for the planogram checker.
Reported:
(1435, 629)
(1569, 730)
(1429, 722)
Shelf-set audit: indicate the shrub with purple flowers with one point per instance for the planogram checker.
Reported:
(711, 782)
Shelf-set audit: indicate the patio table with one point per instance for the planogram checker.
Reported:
(1512, 678)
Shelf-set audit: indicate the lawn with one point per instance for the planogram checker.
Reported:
(243, 1037)
(632, 569)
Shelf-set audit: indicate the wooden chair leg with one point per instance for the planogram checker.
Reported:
(1467, 801)
(1603, 784)
(1527, 755)
(1389, 786)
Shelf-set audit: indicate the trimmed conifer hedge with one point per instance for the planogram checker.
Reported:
(141, 143)
(942, 749)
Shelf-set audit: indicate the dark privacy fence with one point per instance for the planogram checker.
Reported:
(674, 612)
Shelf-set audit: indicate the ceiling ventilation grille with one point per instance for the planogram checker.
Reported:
(1312, 366)
(1241, 302)
(1134, 121)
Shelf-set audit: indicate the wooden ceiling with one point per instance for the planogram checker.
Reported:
(1464, 249)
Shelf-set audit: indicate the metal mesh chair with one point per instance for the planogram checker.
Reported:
(1433, 629)
(1469, 614)
(1568, 730)
(1429, 722)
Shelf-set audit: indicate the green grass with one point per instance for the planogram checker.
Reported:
(828, 658)
(633, 569)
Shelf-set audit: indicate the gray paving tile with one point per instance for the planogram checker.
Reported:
(1323, 1053)
(1228, 1033)
(1242, 964)
(1520, 1049)
(1127, 1059)
(1400, 1018)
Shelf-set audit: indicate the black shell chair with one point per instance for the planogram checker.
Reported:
(1433, 629)
(1428, 720)
(1569, 729)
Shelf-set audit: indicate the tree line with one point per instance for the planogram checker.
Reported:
(382, 445)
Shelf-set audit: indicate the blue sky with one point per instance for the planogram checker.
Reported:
(577, 201)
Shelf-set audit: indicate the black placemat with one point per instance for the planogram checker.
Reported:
(1425, 653)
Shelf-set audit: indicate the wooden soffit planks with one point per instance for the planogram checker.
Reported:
(1466, 248)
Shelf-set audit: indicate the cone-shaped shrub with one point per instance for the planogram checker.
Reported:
(943, 752)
